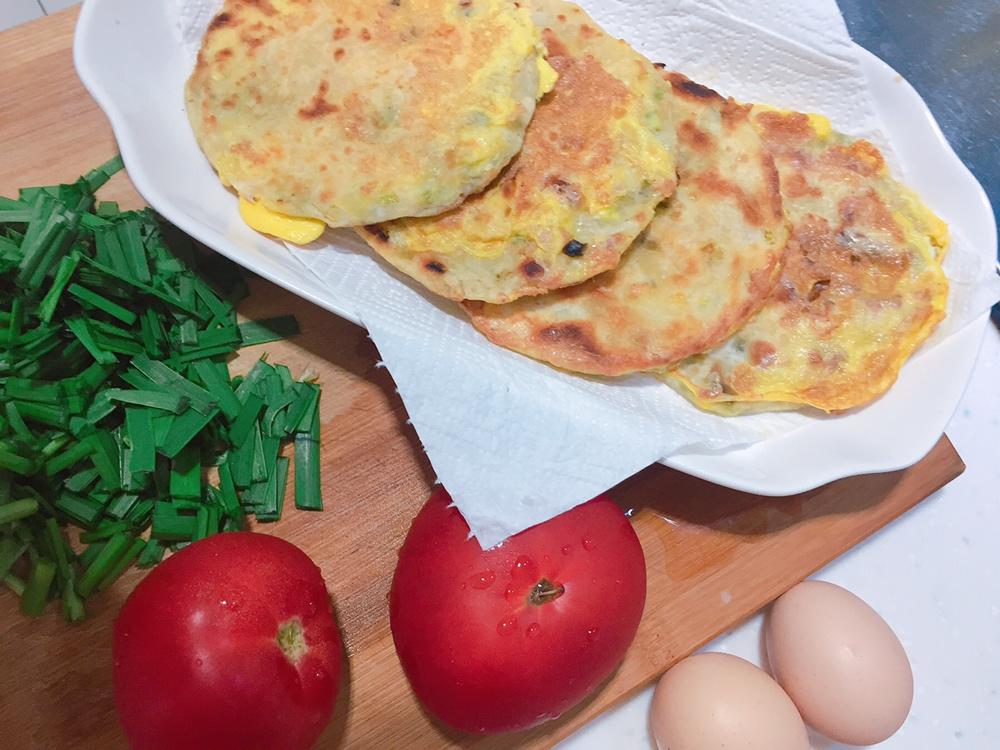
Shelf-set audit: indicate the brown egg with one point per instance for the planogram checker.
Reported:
(840, 662)
(723, 702)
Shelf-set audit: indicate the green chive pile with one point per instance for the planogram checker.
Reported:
(115, 395)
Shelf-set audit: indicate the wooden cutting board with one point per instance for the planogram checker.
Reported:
(714, 556)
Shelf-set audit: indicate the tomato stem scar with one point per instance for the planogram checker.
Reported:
(544, 592)
(292, 640)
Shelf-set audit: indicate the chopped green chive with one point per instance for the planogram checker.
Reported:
(308, 495)
(17, 510)
(271, 329)
(115, 330)
(36, 589)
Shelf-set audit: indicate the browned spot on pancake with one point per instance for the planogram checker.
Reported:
(866, 212)
(734, 114)
(325, 196)
(246, 150)
(577, 336)
(365, 35)
(772, 190)
(507, 184)
(532, 269)
(368, 188)
(256, 35)
(587, 31)
(319, 106)
(435, 266)
(762, 280)
(861, 157)
(694, 136)
(340, 32)
(229, 102)
(763, 353)
(784, 129)
(378, 232)
(338, 54)
(223, 54)
(554, 45)
(660, 66)
(323, 167)
(712, 183)
(685, 87)
(263, 6)
(222, 21)
(211, 121)
(796, 186)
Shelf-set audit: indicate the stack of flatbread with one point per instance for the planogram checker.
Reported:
(585, 206)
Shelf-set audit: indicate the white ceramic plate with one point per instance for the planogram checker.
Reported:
(126, 56)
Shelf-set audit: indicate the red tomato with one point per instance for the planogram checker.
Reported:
(504, 639)
(228, 644)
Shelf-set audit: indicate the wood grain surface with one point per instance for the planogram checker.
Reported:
(714, 556)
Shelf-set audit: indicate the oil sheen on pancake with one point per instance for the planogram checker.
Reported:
(597, 159)
(706, 263)
(358, 111)
(861, 288)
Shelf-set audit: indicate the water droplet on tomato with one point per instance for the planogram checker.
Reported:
(311, 608)
(510, 592)
(566, 549)
(198, 662)
(482, 580)
(588, 543)
(524, 568)
(534, 630)
(592, 634)
(508, 625)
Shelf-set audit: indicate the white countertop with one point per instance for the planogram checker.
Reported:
(934, 575)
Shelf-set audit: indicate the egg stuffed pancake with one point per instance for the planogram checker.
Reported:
(705, 264)
(359, 111)
(597, 159)
(862, 285)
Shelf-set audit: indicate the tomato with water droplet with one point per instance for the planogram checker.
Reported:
(228, 644)
(548, 628)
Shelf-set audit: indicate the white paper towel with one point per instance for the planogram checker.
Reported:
(517, 442)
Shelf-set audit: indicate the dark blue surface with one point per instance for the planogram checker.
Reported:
(950, 51)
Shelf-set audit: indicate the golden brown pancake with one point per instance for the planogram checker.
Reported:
(861, 288)
(706, 263)
(358, 111)
(596, 161)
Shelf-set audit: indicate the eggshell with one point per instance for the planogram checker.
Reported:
(840, 662)
(723, 702)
